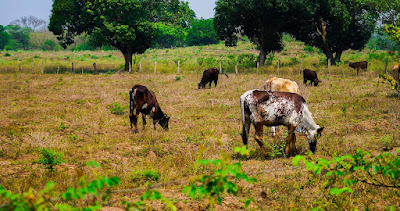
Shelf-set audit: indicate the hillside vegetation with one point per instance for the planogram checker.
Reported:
(84, 118)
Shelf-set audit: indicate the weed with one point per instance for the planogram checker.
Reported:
(386, 142)
(117, 109)
(140, 176)
(62, 126)
(7, 54)
(50, 158)
(178, 78)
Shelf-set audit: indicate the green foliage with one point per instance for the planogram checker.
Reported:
(44, 199)
(50, 158)
(145, 175)
(382, 170)
(169, 35)
(151, 195)
(178, 78)
(220, 181)
(4, 37)
(117, 109)
(201, 32)
(19, 37)
(391, 80)
(247, 60)
(62, 126)
(49, 45)
(309, 49)
(7, 54)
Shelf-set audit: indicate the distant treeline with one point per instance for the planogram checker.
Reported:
(24, 37)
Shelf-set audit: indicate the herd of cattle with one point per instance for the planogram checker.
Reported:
(279, 104)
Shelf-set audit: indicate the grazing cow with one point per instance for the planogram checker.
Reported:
(270, 108)
(144, 101)
(210, 75)
(396, 76)
(281, 85)
(359, 65)
(310, 75)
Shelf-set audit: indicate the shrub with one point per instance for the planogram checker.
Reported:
(117, 109)
(178, 78)
(36, 56)
(50, 158)
(146, 175)
(308, 49)
(7, 54)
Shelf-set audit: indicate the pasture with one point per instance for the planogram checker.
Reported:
(85, 118)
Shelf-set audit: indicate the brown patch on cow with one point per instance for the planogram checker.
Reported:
(261, 96)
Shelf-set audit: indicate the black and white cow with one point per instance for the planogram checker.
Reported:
(144, 101)
(271, 108)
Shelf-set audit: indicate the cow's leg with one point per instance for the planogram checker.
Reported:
(289, 140)
(259, 136)
(134, 121)
(144, 121)
(357, 70)
(209, 86)
(273, 131)
(305, 81)
(215, 82)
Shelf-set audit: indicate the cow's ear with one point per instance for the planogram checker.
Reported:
(319, 130)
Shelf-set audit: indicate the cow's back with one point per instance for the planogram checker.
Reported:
(282, 85)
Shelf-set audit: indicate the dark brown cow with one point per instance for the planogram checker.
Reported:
(310, 75)
(209, 76)
(270, 108)
(144, 101)
(359, 65)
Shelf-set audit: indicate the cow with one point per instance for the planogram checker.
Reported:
(359, 65)
(310, 75)
(281, 85)
(144, 101)
(396, 76)
(269, 108)
(209, 76)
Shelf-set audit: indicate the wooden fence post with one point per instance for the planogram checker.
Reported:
(19, 66)
(140, 66)
(236, 68)
(33, 68)
(130, 67)
(42, 68)
(386, 64)
(155, 67)
(95, 68)
(82, 70)
(6, 69)
(277, 65)
(220, 67)
(72, 67)
(329, 66)
(58, 69)
(301, 66)
(258, 66)
(179, 62)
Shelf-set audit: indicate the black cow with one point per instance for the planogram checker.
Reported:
(359, 65)
(144, 101)
(210, 75)
(310, 75)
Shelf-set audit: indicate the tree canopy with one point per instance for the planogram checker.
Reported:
(129, 25)
(4, 37)
(262, 21)
(201, 32)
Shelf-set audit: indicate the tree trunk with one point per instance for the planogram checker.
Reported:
(128, 59)
(262, 56)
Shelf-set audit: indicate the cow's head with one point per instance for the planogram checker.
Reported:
(201, 86)
(164, 122)
(313, 137)
(316, 81)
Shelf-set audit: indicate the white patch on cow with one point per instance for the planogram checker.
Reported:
(153, 110)
(145, 106)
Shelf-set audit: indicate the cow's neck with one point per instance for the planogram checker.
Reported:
(160, 114)
(307, 121)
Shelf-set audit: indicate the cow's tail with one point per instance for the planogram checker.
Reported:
(224, 74)
(246, 125)
(131, 105)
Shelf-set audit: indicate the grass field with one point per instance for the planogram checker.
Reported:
(73, 114)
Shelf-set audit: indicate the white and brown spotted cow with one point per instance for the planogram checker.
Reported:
(281, 85)
(144, 101)
(270, 108)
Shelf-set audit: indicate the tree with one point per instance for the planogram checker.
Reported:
(335, 26)
(262, 21)
(4, 37)
(169, 35)
(129, 25)
(19, 37)
(30, 22)
(202, 32)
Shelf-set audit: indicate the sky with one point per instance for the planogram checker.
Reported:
(14, 9)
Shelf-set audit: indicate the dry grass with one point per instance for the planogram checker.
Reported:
(355, 112)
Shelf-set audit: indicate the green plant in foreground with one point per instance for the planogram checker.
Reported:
(220, 181)
(149, 195)
(382, 170)
(146, 175)
(47, 199)
(50, 158)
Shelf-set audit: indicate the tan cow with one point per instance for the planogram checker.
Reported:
(281, 85)
(396, 76)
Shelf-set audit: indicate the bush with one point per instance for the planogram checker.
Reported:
(117, 109)
(50, 158)
(146, 175)
(308, 49)
(7, 54)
